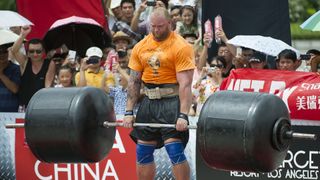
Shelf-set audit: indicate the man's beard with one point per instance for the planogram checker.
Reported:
(163, 36)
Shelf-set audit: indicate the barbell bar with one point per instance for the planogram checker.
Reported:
(289, 134)
(234, 131)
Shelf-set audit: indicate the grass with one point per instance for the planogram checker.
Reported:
(298, 33)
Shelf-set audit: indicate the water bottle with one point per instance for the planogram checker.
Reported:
(112, 58)
(217, 26)
(208, 30)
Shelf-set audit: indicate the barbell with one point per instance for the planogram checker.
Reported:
(238, 131)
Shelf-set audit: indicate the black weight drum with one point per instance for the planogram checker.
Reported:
(235, 131)
(66, 124)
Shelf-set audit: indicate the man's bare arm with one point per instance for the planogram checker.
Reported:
(50, 74)
(134, 86)
(185, 95)
(21, 58)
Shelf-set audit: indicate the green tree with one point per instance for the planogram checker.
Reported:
(8, 5)
(300, 10)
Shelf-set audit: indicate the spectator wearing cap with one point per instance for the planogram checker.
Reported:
(9, 81)
(121, 41)
(91, 74)
(116, 12)
(287, 60)
(258, 61)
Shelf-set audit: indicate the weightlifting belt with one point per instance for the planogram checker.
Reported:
(158, 93)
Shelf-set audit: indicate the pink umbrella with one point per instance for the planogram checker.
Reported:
(74, 19)
(78, 33)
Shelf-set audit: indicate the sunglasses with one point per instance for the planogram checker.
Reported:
(216, 65)
(38, 51)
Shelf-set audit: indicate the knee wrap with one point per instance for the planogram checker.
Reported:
(145, 153)
(175, 151)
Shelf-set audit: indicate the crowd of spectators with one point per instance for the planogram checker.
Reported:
(24, 72)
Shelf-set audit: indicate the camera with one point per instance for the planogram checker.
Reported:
(305, 56)
(93, 60)
(211, 69)
(151, 3)
(122, 53)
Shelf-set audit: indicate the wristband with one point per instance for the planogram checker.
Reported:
(183, 116)
(128, 113)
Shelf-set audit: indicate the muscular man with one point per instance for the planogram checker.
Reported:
(163, 61)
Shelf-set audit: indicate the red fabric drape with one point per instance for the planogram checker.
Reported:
(43, 13)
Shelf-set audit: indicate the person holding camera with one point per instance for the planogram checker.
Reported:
(209, 81)
(91, 74)
(146, 6)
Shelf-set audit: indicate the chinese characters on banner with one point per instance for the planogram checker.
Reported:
(299, 90)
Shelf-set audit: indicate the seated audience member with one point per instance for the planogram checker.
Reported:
(121, 41)
(287, 60)
(9, 81)
(91, 73)
(65, 76)
(258, 61)
(209, 81)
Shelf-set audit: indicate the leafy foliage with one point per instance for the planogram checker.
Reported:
(298, 33)
(8, 5)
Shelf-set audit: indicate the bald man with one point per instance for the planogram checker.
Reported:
(163, 62)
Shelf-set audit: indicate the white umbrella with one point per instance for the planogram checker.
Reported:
(267, 45)
(7, 36)
(11, 19)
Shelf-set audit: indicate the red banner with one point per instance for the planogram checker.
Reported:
(43, 13)
(299, 90)
(119, 164)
